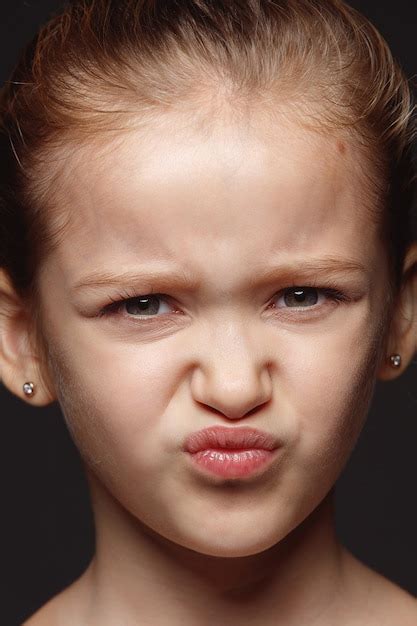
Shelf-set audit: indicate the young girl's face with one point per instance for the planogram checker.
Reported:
(219, 224)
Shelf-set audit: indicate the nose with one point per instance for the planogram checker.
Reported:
(233, 374)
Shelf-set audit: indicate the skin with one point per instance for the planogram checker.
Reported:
(174, 547)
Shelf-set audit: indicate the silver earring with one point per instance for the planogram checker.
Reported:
(29, 389)
(395, 360)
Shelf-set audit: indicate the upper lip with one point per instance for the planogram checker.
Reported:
(242, 437)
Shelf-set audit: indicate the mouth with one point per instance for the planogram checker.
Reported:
(231, 452)
(233, 464)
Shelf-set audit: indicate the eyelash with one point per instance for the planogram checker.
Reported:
(116, 303)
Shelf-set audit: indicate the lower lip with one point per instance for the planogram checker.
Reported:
(233, 463)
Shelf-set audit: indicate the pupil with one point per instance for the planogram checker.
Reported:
(301, 296)
(136, 306)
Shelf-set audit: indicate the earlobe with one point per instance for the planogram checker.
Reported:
(37, 394)
(391, 367)
(402, 339)
(19, 366)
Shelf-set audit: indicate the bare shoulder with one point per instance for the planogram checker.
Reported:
(382, 602)
(59, 611)
(43, 616)
(398, 607)
(64, 609)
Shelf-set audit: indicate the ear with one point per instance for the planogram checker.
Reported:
(402, 334)
(20, 361)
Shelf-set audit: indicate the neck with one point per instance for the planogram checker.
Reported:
(136, 574)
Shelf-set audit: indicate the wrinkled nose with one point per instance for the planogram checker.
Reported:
(233, 375)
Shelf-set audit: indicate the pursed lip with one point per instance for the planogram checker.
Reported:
(224, 438)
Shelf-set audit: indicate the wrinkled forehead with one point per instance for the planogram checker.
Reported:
(172, 180)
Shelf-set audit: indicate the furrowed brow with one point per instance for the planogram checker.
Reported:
(328, 267)
(180, 279)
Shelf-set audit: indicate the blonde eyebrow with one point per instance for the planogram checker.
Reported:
(312, 268)
(180, 279)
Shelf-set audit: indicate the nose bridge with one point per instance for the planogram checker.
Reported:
(233, 366)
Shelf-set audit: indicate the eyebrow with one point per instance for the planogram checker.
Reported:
(180, 279)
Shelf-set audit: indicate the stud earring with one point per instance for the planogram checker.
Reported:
(395, 360)
(29, 389)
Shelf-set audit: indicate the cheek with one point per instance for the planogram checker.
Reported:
(114, 398)
(328, 387)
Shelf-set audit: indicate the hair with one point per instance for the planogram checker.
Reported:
(99, 64)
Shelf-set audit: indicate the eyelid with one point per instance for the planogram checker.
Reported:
(333, 297)
(332, 292)
(116, 302)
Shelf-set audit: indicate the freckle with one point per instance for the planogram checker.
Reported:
(341, 147)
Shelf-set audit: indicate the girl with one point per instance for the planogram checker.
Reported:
(206, 261)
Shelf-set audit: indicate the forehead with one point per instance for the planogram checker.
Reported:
(174, 190)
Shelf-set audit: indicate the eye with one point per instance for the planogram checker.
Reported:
(307, 297)
(148, 305)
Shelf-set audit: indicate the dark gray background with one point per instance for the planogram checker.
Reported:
(47, 531)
